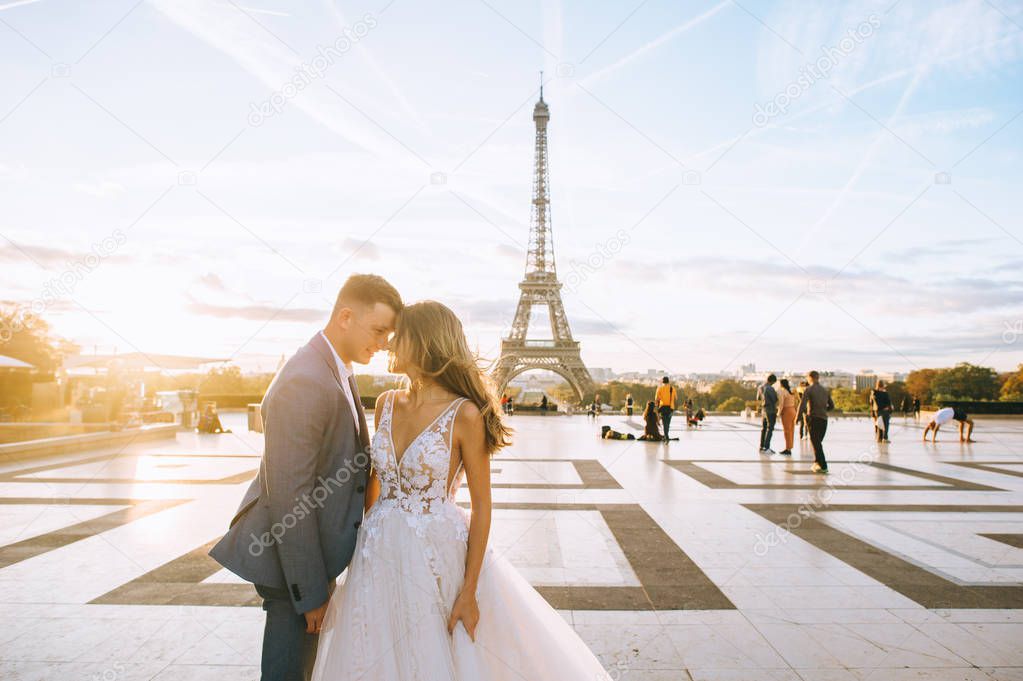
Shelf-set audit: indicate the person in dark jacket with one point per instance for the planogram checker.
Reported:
(651, 431)
(881, 405)
(815, 404)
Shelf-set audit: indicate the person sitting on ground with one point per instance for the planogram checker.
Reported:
(209, 422)
(943, 416)
(696, 418)
(651, 431)
(607, 433)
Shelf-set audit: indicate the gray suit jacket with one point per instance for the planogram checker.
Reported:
(297, 523)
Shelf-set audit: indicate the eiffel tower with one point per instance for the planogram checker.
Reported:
(540, 287)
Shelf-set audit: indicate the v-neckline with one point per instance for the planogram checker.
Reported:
(390, 431)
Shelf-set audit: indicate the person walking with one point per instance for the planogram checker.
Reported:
(916, 407)
(628, 404)
(881, 405)
(815, 405)
(767, 400)
(543, 405)
(787, 411)
(665, 398)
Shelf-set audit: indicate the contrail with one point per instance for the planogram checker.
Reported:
(655, 43)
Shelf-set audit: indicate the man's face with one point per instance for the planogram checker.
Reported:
(367, 330)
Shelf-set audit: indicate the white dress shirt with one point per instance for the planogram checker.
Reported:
(345, 372)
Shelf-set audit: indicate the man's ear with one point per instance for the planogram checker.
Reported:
(343, 318)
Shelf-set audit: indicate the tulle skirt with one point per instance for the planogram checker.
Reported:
(387, 619)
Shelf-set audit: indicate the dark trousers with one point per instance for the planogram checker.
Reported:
(802, 425)
(767, 429)
(666, 413)
(288, 651)
(883, 422)
(818, 427)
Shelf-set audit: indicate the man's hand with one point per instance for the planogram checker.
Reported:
(314, 618)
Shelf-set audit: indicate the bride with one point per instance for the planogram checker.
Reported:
(424, 598)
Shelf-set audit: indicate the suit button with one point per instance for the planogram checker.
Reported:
(357, 523)
(360, 489)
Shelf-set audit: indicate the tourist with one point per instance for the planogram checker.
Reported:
(697, 418)
(804, 429)
(543, 404)
(650, 431)
(881, 406)
(916, 407)
(209, 421)
(815, 405)
(688, 405)
(511, 405)
(628, 404)
(665, 398)
(787, 411)
(943, 416)
(504, 403)
(907, 405)
(767, 401)
(608, 433)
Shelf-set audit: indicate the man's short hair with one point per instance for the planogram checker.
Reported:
(771, 378)
(814, 375)
(665, 380)
(367, 289)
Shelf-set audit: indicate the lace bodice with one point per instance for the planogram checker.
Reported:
(418, 482)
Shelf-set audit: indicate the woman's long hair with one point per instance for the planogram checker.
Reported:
(429, 336)
(785, 384)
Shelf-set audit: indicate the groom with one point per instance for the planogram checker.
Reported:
(295, 529)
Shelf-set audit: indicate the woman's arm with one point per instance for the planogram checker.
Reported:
(469, 425)
(373, 481)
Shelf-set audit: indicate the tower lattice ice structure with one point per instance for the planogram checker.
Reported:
(540, 287)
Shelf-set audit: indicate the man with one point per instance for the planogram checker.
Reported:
(296, 527)
(665, 402)
(767, 399)
(943, 416)
(815, 404)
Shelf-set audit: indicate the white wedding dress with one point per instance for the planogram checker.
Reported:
(387, 619)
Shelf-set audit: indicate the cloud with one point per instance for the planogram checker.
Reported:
(360, 249)
(213, 281)
(103, 189)
(257, 312)
(49, 255)
(879, 291)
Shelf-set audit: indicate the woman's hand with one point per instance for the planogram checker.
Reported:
(466, 609)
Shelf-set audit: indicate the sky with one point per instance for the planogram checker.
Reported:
(791, 183)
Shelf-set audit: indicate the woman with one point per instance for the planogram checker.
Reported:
(881, 406)
(424, 599)
(787, 411)
(651, 431)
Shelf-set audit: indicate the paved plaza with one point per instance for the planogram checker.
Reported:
(698, 559)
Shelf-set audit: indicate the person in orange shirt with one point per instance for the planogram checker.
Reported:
(665, 398)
